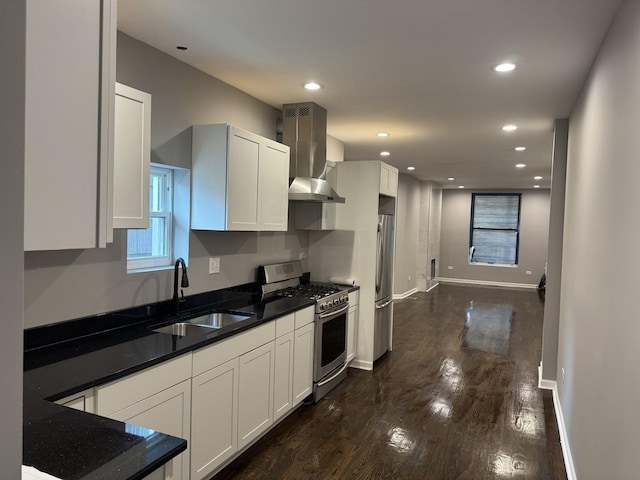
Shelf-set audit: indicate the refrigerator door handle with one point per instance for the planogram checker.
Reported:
(385, 304)
(379, 265)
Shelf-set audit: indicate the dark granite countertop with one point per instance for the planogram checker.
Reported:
(66, 358)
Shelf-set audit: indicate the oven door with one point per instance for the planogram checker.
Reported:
(330, 341)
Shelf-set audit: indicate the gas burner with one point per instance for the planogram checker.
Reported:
(313, 291)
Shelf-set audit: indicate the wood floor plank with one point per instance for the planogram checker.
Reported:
(457, 398)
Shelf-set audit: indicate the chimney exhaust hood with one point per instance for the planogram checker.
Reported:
(304, 130)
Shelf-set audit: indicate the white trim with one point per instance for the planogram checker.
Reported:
(361, 364)
(562, 429)
(489, 283)
(408, 293)
(432, 287)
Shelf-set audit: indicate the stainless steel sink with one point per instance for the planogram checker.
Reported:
(209, 322)
(182, 329)
(220, 319)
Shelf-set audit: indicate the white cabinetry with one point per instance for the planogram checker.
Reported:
(132, 156)
(158, 398)
(255, 393)
(352, 325)
(303, 355)
(69, 105)
(223, 373)
(388, 180)
(240, 180)
(214, 429)
(283, 373)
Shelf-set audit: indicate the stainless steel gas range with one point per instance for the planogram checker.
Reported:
(331, 307)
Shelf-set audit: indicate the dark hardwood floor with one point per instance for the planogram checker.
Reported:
(457, 398)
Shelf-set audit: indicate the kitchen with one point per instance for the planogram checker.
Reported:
(68, 284)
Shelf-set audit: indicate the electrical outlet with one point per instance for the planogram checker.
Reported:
(409, 277)
(214, 265)
(528, 272)
(302, 255)
(562, 375)
(450, 267)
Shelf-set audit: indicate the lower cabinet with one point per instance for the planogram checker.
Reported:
(255, 393)
(214, 409)
(158, 398)
(283, 375)
(303, 363)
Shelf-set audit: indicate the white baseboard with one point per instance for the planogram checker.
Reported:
(361, 364)
(489, 283)
(432, 287)
(564, 436)
(408, 293)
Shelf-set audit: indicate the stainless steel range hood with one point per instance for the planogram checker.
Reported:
(304, 130)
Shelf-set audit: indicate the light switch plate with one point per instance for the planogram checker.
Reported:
(214, 265)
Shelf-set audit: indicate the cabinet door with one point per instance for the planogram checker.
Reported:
(242, 180)
(274, 186)
(132, 155)
(303, 363)
(215, 418)
(388, 180)
(255, 393)
(66, 162)
(283, 376)
(168, 412)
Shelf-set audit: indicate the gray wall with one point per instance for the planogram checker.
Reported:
(407, 222)
(12, 80)
(599, 320)
(454, 240)
(554, 254)
(70, 284)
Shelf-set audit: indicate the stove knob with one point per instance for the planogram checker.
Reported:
(321, 307)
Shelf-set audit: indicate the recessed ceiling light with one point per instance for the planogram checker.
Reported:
(509, 128)
(504, 67)
(312, 86)
(451, 179)
(536, 186)
(411, 168)
(537, 177)
(520, 149)
(385, 154)
(460, 186)
(520, 165)
(382, 134)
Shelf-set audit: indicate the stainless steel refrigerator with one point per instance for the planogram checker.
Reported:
(384, 286)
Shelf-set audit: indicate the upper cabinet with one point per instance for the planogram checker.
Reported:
(240, 180)
(388, 180)
(132, 156)
(69, 107)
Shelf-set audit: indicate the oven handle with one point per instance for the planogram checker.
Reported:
(333, 376)
(331, 314)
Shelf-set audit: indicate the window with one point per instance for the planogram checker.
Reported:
(495, 228)
(152, 247)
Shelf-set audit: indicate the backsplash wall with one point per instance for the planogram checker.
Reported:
(68, 284)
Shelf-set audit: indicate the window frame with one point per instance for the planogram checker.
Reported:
(158, 261)
(516, 230)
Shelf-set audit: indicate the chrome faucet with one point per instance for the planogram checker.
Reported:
(184, 283)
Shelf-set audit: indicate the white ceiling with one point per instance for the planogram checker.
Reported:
(418, 69)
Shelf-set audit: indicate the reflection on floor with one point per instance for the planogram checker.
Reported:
(455, 399)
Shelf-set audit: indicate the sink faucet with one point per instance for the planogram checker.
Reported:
(184, 284)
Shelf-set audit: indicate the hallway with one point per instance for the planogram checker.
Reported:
(457, 398)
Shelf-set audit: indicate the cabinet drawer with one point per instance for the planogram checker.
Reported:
(225, 350)
(119, 394)
(285, 324)
(304, 317)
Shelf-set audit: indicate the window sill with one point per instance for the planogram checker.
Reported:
(150, 269)
(502, 265)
